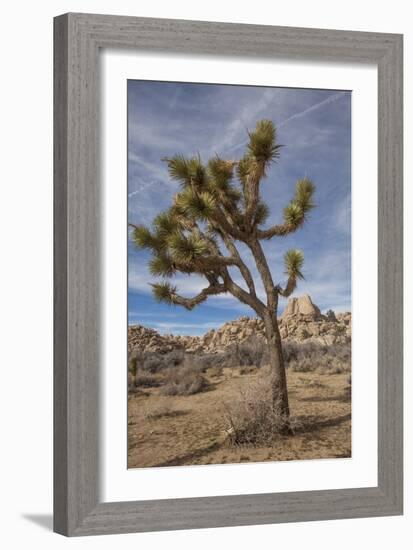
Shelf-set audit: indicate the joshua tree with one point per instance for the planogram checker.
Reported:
(208, 216)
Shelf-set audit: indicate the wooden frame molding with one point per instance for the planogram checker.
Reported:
(78, 39)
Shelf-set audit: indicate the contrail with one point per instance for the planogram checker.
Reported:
(142, 187)
(330, 99)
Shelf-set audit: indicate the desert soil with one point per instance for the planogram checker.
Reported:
(185, 430)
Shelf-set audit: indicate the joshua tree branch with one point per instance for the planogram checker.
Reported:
(276, 230)
(245, 272)
(229, 212)
(211, 263)
(289, 288)
(190, 303)
(212, 278)
(243, 296)
(226, 226)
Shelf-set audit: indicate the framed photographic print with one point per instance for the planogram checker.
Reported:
(228, 274)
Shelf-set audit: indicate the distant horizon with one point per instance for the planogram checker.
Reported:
(168, 118)
(179, 332)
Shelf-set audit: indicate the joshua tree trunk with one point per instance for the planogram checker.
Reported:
(278, 376)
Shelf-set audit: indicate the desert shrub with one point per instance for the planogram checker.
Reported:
(303, 365)
(342, 352)
(295, 351)
(227, 358)
(299, 356)
(214, 371)
(251, 419)
(331, 316)
(247, 369)
(212, 360)
(184, 380)
(336, 360)
(153, 362)
(146, 380)
(195, 363)
(206, 362)
(310, 356)
(252, 352)
(174, 358)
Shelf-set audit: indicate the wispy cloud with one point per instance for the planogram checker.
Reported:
(342, 216)
(314, 107)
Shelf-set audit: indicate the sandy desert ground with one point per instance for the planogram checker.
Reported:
(173, 430)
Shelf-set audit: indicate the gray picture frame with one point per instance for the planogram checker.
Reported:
(78, 38)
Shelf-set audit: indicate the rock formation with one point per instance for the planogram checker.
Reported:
(302, 306)
(301, 321)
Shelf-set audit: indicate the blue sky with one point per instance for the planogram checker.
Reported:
(314, 126)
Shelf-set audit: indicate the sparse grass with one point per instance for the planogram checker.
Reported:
(157, 412)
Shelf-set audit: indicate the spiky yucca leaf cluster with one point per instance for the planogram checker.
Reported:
(262, 149)
(295, 212)
(186, 171)
(293, 261)
(220, 186)
(144, 238)
(162, 265)
(220, 171)
(203, 187)
(187, 249)
(197, 205)
(304, 191)
(244, 168)
(262, 145)
(164, 292)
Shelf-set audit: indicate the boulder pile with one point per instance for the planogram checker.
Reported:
(301, 321)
